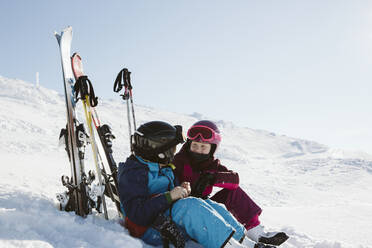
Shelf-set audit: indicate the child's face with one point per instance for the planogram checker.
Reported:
(199, 147)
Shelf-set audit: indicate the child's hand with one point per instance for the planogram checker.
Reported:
(187, 186)
(178, 193)
(205, 179)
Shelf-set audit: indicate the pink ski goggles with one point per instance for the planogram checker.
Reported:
(203, 133)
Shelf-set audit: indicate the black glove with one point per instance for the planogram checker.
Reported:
(204, 180)
(169, 231)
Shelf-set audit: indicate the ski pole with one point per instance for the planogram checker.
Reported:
(105, 137)
(127, 77)
(85, 88)
(123, 80)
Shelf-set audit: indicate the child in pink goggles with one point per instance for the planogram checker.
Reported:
(195, 163)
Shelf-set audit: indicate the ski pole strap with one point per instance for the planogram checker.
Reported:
(84, 87)
(123, 80)
(118, 82)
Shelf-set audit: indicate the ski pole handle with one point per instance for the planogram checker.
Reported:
(122, 80)
(84, 86)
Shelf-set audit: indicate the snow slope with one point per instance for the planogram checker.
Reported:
(320, 196)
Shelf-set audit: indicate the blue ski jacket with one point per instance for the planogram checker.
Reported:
(144, 192)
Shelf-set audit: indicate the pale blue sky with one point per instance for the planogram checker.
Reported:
(299, 68)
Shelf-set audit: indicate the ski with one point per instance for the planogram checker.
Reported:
(76, 195)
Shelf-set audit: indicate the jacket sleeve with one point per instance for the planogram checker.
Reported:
(225, 178)
(139, 206)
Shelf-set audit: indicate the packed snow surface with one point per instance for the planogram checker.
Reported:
(320, 196)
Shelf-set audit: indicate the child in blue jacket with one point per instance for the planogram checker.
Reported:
(157, 207)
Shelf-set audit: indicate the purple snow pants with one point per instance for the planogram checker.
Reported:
(244, 209)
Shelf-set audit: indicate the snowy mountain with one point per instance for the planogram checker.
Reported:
(318, 195)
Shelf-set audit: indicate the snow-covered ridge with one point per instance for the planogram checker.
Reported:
(23, 91)
(26, 109)
(319, 195)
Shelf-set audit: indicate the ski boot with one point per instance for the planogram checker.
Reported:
(258, 234)
(169, 231)
(246, 243)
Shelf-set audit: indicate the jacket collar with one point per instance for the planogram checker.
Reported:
(153, 166)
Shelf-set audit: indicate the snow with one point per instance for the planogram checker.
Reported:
(320, 196)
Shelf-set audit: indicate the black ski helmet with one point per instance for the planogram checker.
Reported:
(155, 141)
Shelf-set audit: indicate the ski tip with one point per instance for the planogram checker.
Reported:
(75, 54)
(77, 65)
(67, 29)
